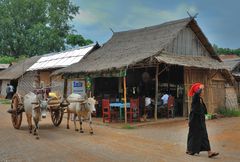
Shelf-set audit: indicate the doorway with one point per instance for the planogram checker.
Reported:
(172, 82)
(14, 83)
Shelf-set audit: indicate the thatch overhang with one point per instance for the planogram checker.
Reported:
(190, 61)
(18, 69)
(231, 64)
(127, 48)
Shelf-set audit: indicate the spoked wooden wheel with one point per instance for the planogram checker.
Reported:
(16, 116)
(57, 115)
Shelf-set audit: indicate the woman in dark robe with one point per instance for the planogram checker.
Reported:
(197, 135)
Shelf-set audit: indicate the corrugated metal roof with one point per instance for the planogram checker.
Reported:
(61, 59)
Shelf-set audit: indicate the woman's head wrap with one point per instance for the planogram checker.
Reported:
(194, 88)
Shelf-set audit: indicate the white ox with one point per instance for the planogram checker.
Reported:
(34, 108)
(82, 108)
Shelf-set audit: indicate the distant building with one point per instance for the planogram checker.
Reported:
(34, 72)
(232, 63)
(13, 73)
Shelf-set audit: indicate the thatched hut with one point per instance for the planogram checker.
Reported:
(233, 65)
(3, 67)
(169, 56)
(14, 75)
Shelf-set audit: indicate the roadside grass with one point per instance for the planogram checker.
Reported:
(229, 113)
(5, 101)
(127, 126)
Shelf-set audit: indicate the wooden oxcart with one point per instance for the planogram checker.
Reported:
(56, 109)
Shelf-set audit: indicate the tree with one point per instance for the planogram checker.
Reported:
(74, 40)
(34, 27)
(226, 50)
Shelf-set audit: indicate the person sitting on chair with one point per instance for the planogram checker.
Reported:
(164, 99)
(148, 106)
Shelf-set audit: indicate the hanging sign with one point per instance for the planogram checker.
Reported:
(78, 87)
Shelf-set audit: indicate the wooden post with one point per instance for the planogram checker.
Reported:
(125, 98)
(156, 92)
(65, 88)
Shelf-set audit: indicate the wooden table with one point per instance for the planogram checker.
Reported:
(119, 105)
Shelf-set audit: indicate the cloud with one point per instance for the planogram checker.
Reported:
(96, 17)
(86, 17)
(141, 16)
(95, 12)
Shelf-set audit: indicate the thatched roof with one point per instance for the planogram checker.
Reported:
(191, 61)
(231, 64)
(129, 47)
(18, 69)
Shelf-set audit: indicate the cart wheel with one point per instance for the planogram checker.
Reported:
(16, 116)
(57, 115)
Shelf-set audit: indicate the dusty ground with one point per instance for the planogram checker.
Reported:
(161, 142)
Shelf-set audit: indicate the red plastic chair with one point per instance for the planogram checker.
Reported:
(133, 113)
(106, 112)
(170, 106)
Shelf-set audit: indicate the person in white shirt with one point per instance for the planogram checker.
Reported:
(148, 106)
(11, 91)
(165, 99)
(147, 101)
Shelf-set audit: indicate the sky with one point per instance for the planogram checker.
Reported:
(218, 19)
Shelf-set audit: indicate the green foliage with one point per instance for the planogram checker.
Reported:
(34, 27)
(226, 50)
(74, 40)
(9, 59)
(127, 126)
(229, 113)
(6, 59)
(5, 101)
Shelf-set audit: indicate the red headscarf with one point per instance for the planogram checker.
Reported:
(194, 88)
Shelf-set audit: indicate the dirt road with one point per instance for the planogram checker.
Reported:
(156, 143)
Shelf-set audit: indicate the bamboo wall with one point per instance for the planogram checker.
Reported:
(28, 82)
(214, 91)
(45, 78)
(3, 88)
(187, 43)
(57, 84)
(231, 98)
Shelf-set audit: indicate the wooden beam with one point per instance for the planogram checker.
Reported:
(163, 69)
(211, 76)
(141, 66)
(156, 92)
(125, 97)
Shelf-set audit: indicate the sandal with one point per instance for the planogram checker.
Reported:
(213, 154)
(190, 153)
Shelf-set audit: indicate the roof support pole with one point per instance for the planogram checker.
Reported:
(65, 88)
(156, 91)
(125, 98)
